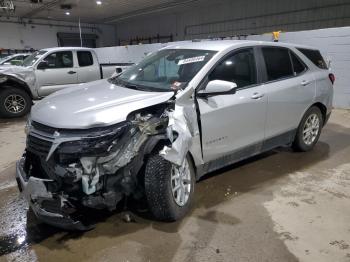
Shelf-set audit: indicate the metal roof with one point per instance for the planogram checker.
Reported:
(108, 12)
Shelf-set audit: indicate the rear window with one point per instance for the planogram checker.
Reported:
(85, 58)
(278, 64)
(315, 57)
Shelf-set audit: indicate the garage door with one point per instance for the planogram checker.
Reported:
(73, 39)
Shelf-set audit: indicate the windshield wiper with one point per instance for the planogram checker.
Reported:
(120, 82)
(134, 87)
(123, 83)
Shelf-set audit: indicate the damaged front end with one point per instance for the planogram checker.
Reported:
(64, 171)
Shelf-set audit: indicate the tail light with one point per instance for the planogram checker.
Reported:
(332, 78)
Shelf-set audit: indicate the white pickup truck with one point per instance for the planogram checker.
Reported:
(45, 72)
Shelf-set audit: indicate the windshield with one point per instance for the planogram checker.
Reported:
(166, 70)
(30, 60)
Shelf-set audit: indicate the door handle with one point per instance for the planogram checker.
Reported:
(72, 72)
(305, 82)
(257, 96)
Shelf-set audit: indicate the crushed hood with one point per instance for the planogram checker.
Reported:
(98, 103)
(24, 74)
(19, 71)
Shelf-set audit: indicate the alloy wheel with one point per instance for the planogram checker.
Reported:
(181, 183)
(311, 129)
(15, 103)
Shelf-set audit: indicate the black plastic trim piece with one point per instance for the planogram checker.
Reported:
(279, 140)
(247, 152)
(117, 64)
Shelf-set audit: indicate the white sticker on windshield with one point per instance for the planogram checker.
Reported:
(192, 60)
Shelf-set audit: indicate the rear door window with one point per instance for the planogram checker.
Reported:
(315, 57)
(85, 58)
(277, 62)
(239, 68)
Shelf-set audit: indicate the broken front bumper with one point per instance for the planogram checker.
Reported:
(36, 193)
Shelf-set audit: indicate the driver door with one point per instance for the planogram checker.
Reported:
(58, 73)
(233, 125)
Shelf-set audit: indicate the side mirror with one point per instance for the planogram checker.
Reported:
(218, 87)
(43, 65)
(119, 70)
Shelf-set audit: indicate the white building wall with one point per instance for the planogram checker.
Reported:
(38, 36)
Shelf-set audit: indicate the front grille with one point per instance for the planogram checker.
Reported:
(43, 128)
(38, 146)
(41, 137)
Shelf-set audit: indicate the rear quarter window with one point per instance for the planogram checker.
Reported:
(315, 57)
(85, 58)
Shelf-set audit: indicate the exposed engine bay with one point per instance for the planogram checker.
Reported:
(67, 170)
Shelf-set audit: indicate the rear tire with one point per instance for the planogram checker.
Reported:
(309, 130)
(161, 180)
(14, 102)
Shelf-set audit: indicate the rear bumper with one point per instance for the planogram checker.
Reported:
(35, 191)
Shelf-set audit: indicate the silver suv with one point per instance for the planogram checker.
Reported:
(151, 132)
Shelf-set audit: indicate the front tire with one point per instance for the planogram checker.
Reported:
(309, 130)
(14, 102)
(169, 189)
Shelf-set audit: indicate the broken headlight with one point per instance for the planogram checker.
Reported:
(96, 142)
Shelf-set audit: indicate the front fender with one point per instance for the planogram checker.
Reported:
(18, 82)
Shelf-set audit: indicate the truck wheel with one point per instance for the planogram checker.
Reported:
(14, 102)
(309, 130)
(169, 188)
